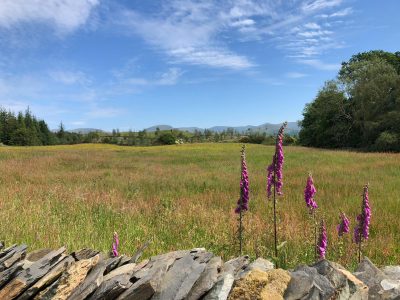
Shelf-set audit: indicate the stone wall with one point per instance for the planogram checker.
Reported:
(184, 274)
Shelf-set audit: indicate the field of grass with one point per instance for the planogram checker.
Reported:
(183, 196)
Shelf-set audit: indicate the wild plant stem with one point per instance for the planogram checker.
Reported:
(315, 235)
(359, 248)
(240, 232)
(275, 229)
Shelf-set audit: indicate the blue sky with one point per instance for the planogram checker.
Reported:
(130, 64)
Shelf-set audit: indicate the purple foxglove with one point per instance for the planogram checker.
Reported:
(243, 202)
(309, 193)
(323, 241)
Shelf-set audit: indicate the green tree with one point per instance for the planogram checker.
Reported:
(327, 120)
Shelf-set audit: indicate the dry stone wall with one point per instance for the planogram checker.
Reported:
(185, 274)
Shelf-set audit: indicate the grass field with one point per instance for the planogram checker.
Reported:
(184, 196)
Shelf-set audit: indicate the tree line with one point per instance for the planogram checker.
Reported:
(24, 129)
(360, 108)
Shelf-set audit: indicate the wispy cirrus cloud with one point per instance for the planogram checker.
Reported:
(65, 15)
(295, 75)
(186, 31)
(320, 65)
(202, 33)
(69, 77)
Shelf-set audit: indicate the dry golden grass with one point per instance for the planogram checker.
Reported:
(183, 196)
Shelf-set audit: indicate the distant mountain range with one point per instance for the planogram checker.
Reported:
(292, 128)
(85, 130)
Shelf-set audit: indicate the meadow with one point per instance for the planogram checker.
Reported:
(183, 196)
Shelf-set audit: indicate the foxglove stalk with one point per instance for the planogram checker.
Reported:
(115, 245)
(323, 241)
(309, 193)
(275, 169)
(344, 226)
(243, 202)
(363, 219)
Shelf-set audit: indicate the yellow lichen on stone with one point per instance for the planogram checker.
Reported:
(260, 285)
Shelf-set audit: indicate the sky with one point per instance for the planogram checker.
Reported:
(131, 64)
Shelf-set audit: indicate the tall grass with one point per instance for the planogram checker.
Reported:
(184, 196)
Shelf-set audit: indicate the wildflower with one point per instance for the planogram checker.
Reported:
(115, 245)
(344, 226)
(309, 193)
(243, 202)
(274, 170)
(363, 219)
(323, 241)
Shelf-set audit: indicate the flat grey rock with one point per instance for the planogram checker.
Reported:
(32, 274)
(84, 254)
(368, 273)
(179, 280)
(12, 256)
(307, 283)
(93, 280)
(238, 264)
(9, 274)
(393, 272)
(207, 279)
(37, 254)
(48, 279)
(139, 252)
(110, 289)
(222, 288)
(260, 264)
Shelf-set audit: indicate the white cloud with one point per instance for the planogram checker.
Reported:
(295, 75)
(320, 65)
(203, 32)
(312, 26)
(214, 57)
(103, 112)
(186, 31)
(65, 15)
(78, 123)
(242, 23)
(69, 77)
(342, 13)
(316, 5)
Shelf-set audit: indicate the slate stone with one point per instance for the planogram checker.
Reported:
(113, 263)
(393, 272)
(259, 264)
(146, 286)
(124, 260)
(222, 288)
(32, 274)
(307, 283)
(110, 289)
(69, 280)
(1, 245)
(180, 278)
(116, 282)
(139, 252)
(12, 256)
(238, 264)
(84, 254)
(93, 279)
(148, 278)
(7, 250)
(48, 279)
(207, 279)
(368, 273)
(10, 273)
(37, 254)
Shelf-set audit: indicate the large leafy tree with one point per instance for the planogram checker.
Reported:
(360, 109)
(327, 120)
